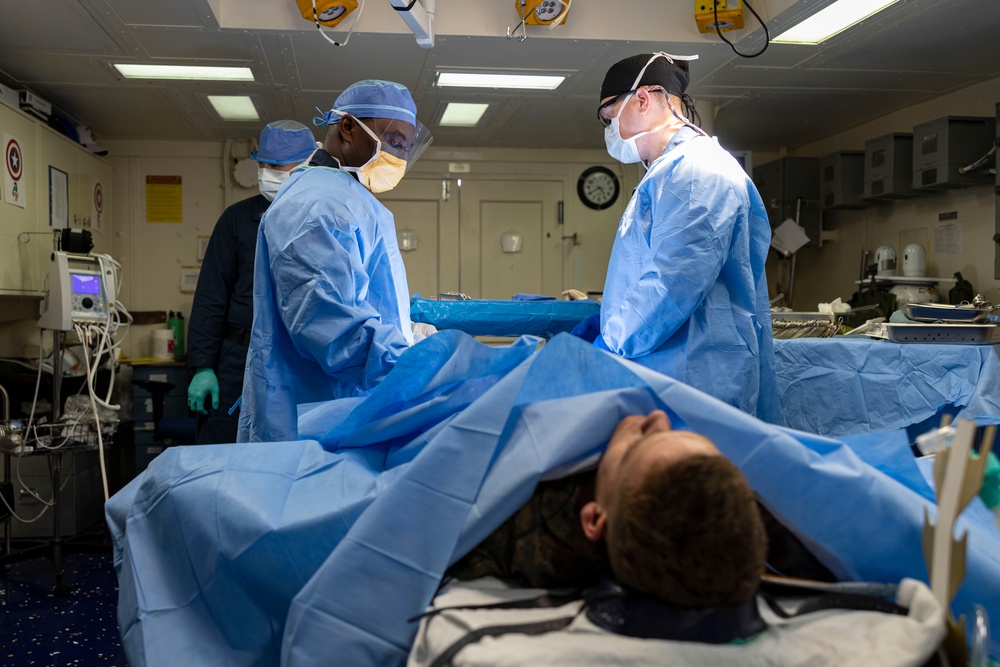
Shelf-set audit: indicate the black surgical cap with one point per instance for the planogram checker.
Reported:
(673, 76)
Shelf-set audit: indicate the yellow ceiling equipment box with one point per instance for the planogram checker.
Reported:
(730, 15)
(544, 12)
(328, 12)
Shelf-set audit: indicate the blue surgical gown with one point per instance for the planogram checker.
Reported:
(686, 293)
(331, 304)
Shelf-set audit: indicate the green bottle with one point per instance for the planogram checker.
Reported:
(990, 493)
(175, 322)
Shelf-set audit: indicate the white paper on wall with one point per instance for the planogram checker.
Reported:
(189, 278)
(948, 238)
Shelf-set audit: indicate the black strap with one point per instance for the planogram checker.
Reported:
(406, 8)
(535, 628)
(851, 601)
(630, 614)
(547, 600)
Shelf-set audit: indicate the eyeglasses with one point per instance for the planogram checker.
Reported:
(606, 120)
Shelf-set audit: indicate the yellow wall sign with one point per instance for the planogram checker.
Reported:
(164, 199)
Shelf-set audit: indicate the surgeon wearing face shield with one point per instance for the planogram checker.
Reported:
(685, 292)
(222, 312)
(331, 303)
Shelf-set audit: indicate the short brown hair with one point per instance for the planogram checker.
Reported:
(689, 532)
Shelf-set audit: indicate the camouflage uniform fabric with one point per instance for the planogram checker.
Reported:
(542, 545)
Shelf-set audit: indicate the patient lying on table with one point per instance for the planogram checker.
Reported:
(290, 554)
(657, 491)
(677, 526)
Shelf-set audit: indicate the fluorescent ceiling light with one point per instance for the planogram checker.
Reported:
(185, 72)
(484, 80)
(831, 20)
(234, 107)
(462, 115)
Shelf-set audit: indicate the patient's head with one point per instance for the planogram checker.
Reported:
(679, 519)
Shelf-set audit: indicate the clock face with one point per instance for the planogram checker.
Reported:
(598, 187)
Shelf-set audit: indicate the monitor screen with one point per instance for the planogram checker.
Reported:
(86, 283)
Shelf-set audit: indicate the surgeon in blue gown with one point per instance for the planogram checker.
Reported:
(331, 303)
(222, 311)
(685, 293)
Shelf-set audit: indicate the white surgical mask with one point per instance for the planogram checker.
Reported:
(625, 151)
(383, 171)
(269, 180)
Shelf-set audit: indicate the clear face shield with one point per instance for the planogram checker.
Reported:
(400, 140)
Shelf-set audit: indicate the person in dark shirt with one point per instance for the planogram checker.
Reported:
(222, 313)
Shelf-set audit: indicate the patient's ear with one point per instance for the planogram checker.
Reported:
(594, 520)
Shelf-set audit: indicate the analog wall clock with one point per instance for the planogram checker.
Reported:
(598, 187)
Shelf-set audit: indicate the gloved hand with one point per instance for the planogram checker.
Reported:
(203, 382)
(573, 295)
(422, 330)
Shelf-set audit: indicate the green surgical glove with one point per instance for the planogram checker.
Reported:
(203, 382)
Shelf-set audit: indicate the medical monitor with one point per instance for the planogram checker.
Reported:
(78, 290)
(85, 283)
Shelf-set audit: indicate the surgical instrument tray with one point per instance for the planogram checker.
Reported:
(972, 334)
(936, 312)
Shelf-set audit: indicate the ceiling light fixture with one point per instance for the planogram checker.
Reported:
(234, 107)
(458, 114)
(487, 80)
(830, 21)
(185, 72)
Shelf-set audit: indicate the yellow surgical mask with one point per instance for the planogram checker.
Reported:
(383, 171)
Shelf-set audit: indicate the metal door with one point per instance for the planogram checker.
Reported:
(527, 212)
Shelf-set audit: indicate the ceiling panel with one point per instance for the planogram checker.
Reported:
(162, 13)
(939, 36)
(858, 80)
(320, 66)
(66, 28)
(538, 121)
(134, 114)
(500, 53)
(205, 45)
(56, 69)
